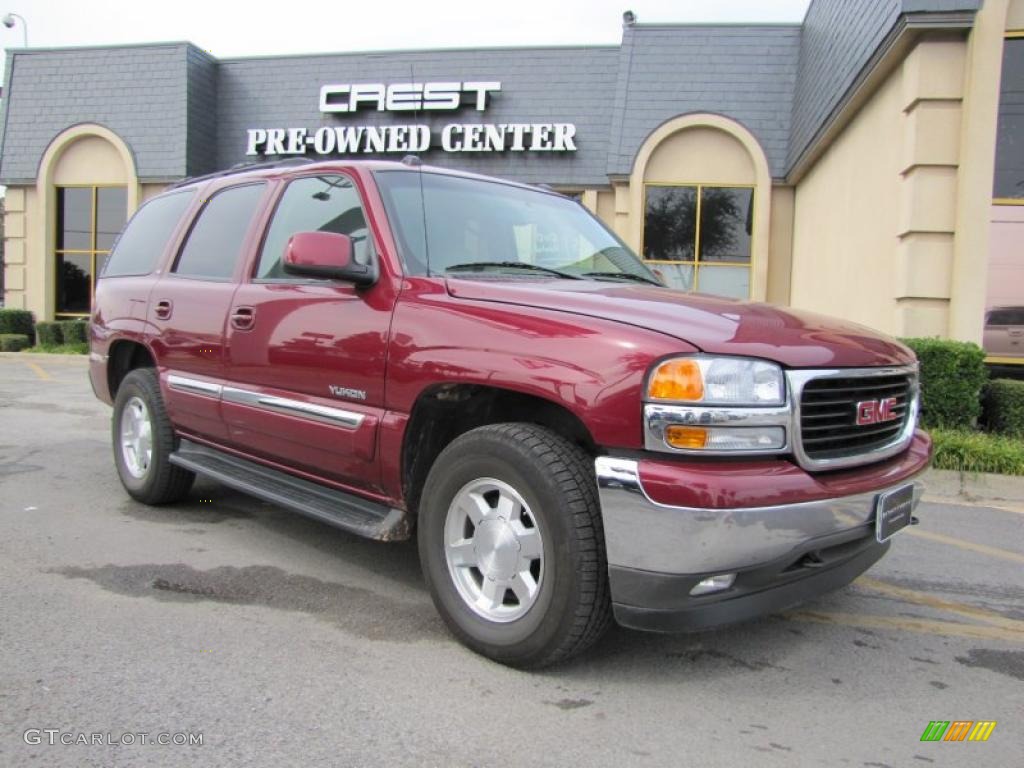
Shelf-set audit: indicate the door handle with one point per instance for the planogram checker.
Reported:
(163, 309)
(243, 318)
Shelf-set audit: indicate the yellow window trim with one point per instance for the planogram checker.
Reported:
(1004, 360)
(696, 244)
(93, 252)
(1008, 201)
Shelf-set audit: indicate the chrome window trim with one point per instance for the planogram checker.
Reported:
(658, 416)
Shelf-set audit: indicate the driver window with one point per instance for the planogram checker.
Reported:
(314, 204)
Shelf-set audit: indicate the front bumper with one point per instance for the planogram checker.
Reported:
(783, 553)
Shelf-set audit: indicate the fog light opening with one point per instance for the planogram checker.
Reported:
(714, 584)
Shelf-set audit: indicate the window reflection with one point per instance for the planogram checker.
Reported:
(699, 237)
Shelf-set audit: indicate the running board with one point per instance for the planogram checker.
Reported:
(342, 510)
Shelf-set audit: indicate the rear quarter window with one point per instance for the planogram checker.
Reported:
(143, 241)
(214, 244)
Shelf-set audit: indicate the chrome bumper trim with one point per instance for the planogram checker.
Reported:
(640, 533)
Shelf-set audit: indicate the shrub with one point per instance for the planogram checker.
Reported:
(13, 342)
(16, 321)
(1004, 407)
(952, 376)
(977, 452)
(74, 331)
(49, 334)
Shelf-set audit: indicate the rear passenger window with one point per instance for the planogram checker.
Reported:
(139, 247)
(215, 242)
(314, 204)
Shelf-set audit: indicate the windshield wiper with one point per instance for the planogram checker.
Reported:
(478, 266)
(621, 275)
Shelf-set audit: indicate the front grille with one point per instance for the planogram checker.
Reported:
(828, 415)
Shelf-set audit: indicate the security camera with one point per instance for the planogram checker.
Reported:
(9, 21)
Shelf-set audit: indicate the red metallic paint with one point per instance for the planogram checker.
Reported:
(583, 345)
(769, 482)
(318, 249)
(794, 338)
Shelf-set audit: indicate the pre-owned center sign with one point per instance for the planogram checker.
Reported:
(416, 98)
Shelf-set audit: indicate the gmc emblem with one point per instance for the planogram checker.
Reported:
(877, 411)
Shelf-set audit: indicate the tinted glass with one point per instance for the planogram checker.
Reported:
(1009, 176)
(470, 221)
(670, 223)
(1006, 316)
(215, 242)
(111, 213)
(146, 235)
(74, 218)
(74, 283)
(316, 204)
(726, 216)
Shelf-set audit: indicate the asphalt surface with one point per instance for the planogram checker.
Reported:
(284, 642)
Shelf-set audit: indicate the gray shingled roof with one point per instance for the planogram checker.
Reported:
(537, 85)
(139, 92)
(184, 113)
(744, 72)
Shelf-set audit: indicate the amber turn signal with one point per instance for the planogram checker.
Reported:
(686, 437)
(679, 380)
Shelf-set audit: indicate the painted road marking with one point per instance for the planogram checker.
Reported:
(984, 549)
(1003, 505)
(961, 609)
(921, 626)
(38, 371)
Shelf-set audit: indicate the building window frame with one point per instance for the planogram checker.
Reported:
(1010, 34)
(696, 262)
(92, 252)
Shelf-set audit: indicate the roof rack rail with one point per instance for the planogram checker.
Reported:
(242, 168)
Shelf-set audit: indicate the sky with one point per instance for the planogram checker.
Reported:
(228, 28)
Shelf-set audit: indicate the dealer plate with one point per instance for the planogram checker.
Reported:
(893, 511)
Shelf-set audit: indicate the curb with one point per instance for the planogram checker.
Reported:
(973, 486)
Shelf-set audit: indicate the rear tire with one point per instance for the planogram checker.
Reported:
(512, 546)
(144, 439)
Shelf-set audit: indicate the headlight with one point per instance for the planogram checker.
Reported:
(717, 381)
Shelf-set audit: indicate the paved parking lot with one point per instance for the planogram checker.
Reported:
(284, 642)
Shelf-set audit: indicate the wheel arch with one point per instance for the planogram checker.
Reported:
(123, 357)
(442, 412)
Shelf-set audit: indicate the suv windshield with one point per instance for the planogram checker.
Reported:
(478, 227)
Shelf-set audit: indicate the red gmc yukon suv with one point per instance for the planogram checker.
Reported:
(396, 350)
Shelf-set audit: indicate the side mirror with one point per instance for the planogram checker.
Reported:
(326, 254)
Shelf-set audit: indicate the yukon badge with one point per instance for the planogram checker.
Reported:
(351, 394)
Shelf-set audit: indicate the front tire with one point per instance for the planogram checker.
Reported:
(512, 547)
(144, 439)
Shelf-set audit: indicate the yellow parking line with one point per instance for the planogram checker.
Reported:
(961, 609)
(1003, 554)
(38, 371)
(921, 626)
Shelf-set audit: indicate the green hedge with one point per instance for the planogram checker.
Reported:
(1004, 407)
(13, 342)
(49, 334)
(16, 321)
(977, 452)
(952, 376)
(74, 331)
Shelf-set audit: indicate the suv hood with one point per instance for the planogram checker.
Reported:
(795, 339)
